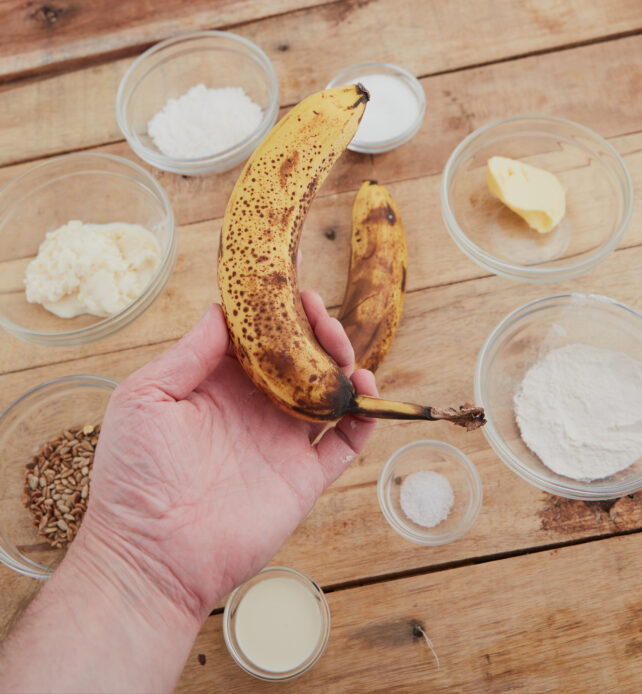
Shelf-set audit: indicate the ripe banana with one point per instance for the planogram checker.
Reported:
(376, 286)
(257, 268)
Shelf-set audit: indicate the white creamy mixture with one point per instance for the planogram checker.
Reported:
(580, 410)
(92, 268)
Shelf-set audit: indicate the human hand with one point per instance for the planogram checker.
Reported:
(198, 478)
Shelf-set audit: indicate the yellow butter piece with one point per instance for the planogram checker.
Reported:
(534, 194)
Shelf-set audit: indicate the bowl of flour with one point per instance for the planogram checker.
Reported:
(560, 380)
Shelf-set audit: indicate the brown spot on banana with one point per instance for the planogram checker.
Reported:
(384, 212)
(287, 166)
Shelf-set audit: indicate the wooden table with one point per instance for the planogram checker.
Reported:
(543, 594)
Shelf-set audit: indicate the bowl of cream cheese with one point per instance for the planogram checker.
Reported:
(560, 381)
(87, 243)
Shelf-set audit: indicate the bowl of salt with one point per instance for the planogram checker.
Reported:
(430, 492)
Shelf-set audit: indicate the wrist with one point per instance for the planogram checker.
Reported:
(124, 633)
(127, 575)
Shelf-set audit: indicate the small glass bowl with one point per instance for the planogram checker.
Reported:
(447, 461)
(520, 340)
(599, 199)
(170, 68)
(349, 75)
(229, 624)
(25, 426)
(96, 188)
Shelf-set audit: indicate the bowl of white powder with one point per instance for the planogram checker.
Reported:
(198, 102)
(560, 381)
(429, 492)
(396, 108)
(87, 243)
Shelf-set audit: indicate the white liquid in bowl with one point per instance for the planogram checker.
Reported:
(278, 624)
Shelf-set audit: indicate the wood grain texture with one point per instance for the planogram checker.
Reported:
(564, 620)
(458, 103)
(434, 260)
(41, 118)
(346, 538)
(37, 36)
(567, 621)
(41, 36)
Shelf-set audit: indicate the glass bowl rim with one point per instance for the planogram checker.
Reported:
(524, 272)
(392, 142)
(326, 625)
(427, 536)
(28, 567)
(97, 330)
(567, 490)
(211, 161)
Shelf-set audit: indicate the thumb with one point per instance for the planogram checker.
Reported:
(177, 371)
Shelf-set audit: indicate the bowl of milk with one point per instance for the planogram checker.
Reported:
(277, 625)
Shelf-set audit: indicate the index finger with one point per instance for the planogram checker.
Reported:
(328, 331)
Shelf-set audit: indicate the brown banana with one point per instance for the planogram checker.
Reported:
(376, 286)
(257, 269)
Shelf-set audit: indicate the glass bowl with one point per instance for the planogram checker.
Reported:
(519, 341)
(96, 188)
(599, 199)
(441, 458)
(352, 74)
(25, 426)
(170, 68)
(231, 612)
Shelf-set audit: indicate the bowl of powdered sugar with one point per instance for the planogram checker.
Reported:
(429, 492)
(560, 380)
(199, 102)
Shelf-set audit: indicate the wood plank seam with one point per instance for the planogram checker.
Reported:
(461, 563)
(98, 59)
(330, 308)
(52, 69)
(288, 105)
(474, 561)
(537, 52)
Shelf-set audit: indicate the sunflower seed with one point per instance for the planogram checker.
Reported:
(56, 483)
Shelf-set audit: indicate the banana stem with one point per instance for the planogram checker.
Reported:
(465, 416)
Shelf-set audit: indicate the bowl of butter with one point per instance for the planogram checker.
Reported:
(87, 243)
(536, 198)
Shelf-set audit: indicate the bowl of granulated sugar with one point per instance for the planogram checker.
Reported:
(396, 108)
(430, 492)
(198, 102)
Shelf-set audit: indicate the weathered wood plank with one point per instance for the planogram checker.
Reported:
(37, 38)
(458, 103)
(41, 118)
(567, 621)
(433, 260)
